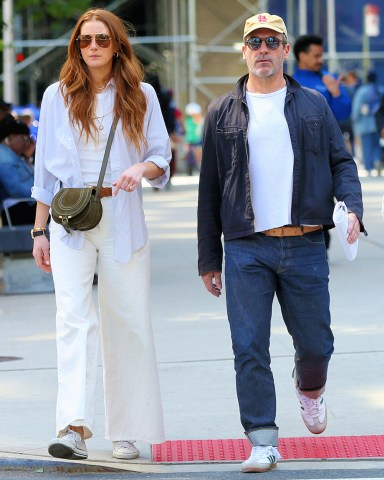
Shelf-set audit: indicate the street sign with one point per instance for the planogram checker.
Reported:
(372, 20)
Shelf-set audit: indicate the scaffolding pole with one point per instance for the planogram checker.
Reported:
(192, 60)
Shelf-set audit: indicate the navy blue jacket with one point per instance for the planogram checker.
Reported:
(323, 169)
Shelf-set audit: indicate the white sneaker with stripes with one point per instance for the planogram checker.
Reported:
(314, 412)
(262, 459)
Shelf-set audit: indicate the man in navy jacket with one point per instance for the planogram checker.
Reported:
(273, 160)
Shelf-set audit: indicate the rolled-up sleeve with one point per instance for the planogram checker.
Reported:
(158, 142)
(44, 181)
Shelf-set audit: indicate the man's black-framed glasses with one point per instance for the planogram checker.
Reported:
(272, 43)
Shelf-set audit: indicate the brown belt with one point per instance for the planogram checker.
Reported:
(105, 192)
(290, 231)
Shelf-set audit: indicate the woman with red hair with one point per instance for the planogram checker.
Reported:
(101, 79)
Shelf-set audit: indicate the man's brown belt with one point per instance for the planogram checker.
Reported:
(290, 231)
(105, 192)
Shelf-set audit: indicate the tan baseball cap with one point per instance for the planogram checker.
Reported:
(265, 20)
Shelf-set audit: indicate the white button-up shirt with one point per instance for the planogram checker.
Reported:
(57, 164)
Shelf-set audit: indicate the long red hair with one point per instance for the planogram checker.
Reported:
(127, 72)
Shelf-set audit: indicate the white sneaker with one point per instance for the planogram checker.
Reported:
(69, 446)
(125, 450)
(262, 459)
(314, 412)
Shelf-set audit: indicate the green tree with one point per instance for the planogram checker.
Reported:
(58, 9)
(51, 17)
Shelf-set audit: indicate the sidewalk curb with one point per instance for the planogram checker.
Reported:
(22, 464)
(67, 466)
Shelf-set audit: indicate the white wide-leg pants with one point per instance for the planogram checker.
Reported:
(133, 409)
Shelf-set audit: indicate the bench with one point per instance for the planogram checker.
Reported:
(18, 271)
(16, 239)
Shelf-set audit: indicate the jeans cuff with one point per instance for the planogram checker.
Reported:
(264, 436)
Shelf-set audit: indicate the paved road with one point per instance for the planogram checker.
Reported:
(273, 475)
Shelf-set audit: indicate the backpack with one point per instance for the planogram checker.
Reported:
(373, 100)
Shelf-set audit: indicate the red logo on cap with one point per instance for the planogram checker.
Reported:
(262, 18)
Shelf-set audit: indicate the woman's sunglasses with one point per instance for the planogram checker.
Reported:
(273, 43)
(102, 39)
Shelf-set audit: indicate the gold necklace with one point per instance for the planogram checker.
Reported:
(104, 86)
(100, 122)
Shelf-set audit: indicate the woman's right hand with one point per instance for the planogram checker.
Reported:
(41, 253)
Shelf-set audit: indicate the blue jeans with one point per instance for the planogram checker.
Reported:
(370, 145)
(296, 269)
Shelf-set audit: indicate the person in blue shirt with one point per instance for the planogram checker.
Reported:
(308, 50)
(16, 175)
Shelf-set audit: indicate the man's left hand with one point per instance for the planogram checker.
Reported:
(353, 228)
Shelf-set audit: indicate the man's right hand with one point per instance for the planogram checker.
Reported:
(212, 282)
(332, 84)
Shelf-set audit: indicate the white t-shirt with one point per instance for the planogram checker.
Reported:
(91, 153)
(270, 160)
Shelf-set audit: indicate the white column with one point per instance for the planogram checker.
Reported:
(291, 37)
(331, 36)
(303, 27)
(8, 53)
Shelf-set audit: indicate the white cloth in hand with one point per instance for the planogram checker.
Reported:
(340, 219)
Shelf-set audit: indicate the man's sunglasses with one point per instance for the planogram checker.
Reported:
(273, 43)
(102, 40)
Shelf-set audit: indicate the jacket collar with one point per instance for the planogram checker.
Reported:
(239, 90)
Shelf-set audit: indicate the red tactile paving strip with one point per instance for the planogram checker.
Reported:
(300, 448)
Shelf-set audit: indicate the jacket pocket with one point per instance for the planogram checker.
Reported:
(230, 144)
(312, 131)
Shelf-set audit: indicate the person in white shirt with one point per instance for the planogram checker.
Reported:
(101, 79)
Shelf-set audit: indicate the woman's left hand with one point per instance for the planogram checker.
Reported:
(129, 179)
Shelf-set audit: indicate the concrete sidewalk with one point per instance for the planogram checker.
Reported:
(194, 349)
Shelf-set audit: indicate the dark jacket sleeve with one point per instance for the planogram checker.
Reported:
(209, 228)
(345, 179)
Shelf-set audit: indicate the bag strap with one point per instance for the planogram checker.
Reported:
(106, 155)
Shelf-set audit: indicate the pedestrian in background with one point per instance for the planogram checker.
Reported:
(16, 174)
(193, 125)
(5, 108)
(309, 72)
(380, 128)
(366, 103)
(351, 83)
(273, 160)
(102, 79)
